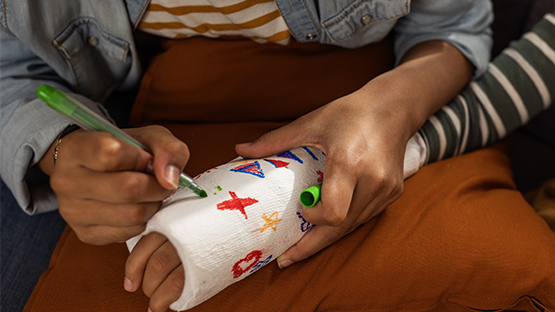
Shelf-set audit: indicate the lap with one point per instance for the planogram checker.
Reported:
(460, 235)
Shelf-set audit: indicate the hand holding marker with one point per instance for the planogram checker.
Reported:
(90, 121)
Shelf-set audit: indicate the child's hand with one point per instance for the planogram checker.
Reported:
(154, 262)
(105, 187)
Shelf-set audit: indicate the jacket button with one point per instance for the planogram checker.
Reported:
(310, 36)
(93, 41)
(366, 19)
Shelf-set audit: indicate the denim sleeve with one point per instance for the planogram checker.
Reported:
(27, 125)
(463, 23)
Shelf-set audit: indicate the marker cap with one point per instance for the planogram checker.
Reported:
(310, 196)
(56, 99)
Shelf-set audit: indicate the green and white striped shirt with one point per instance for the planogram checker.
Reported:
(519, 84)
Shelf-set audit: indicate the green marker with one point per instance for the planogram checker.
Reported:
(90, 121)
(310, 196)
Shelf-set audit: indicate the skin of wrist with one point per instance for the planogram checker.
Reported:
(46, 163)
(391, 105)
(429, 75)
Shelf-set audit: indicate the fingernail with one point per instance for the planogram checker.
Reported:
(243, 145)
(128, 284)
(149, 310)
(285, 263)
(172, 175)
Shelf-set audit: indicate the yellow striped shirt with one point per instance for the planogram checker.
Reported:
(259, 20)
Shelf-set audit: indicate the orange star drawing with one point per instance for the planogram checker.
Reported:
(270, 223)
(242, 161)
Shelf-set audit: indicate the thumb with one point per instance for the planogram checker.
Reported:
(312, 242)
(273, 142)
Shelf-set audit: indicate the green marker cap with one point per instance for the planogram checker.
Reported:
(310, 196)
(56, 99)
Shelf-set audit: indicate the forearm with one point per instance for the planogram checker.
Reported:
(29, 126)
(430, 74)
(25, 138)
(519, 84)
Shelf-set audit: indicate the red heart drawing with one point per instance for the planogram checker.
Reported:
(253, 257)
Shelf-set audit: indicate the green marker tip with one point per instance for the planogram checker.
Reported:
(202, 194)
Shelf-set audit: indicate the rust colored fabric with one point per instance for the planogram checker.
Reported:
(201, 80)
(460, 237)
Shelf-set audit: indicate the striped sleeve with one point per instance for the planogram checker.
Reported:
(519, 84)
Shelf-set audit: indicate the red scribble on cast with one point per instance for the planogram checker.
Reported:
(321, 174)
(198, 176)
(278, 163)
(236, 203)
(252, 257)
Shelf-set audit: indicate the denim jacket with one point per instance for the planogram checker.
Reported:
(86, 48)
